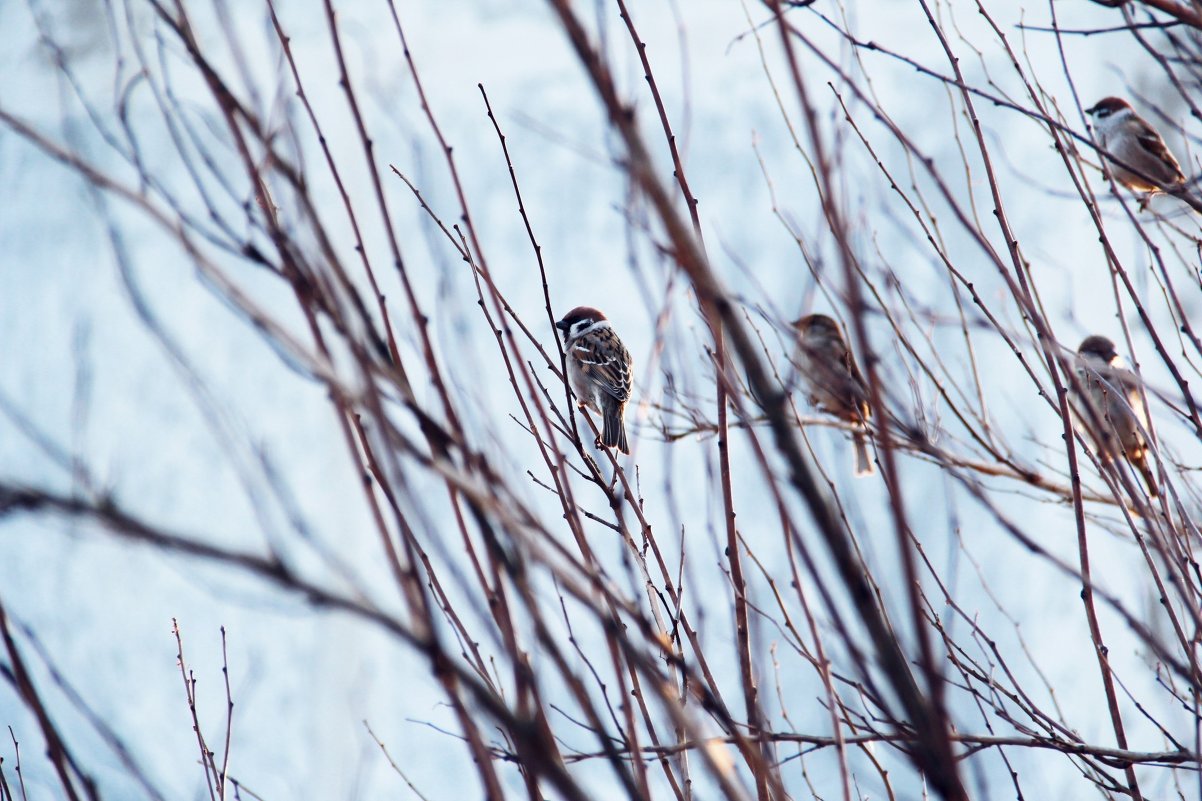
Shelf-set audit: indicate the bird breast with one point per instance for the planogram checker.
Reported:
(584, 386)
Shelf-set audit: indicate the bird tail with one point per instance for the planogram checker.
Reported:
(863, 458)
(613, 433)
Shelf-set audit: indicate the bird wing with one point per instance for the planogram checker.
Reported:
(605, 361)
(1129, 382)
(836, 382)
(859, 385)
(1114, 394)
(1153, 144)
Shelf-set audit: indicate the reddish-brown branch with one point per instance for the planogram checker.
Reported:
(56, 748)
(759, 767)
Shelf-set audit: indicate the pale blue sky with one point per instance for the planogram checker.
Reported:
(82, 366)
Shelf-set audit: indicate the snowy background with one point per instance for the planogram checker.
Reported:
(82, 365)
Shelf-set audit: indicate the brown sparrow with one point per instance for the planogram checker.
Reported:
(836, 385)
(1147, 165)
(1116, 408)
(599, 370)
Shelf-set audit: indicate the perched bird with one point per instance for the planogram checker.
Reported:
(1147, 165)
(599, 370)
(836, 385)
(1115, 411)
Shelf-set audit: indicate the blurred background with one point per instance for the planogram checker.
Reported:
(193, 340)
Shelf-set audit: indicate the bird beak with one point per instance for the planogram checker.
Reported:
(562, 325)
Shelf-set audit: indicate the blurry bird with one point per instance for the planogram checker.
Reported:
(1147, 165)
(599, 370)
(1116, 409)
(836, 385)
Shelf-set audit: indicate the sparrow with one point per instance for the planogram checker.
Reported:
(836, 385)
(1147, 165)
(1116, 408)
(599, 370)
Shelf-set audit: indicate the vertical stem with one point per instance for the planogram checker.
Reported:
(722, 400)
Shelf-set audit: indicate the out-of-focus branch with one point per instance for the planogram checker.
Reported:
(56, 748)
(711, 293)
(1188, 14)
